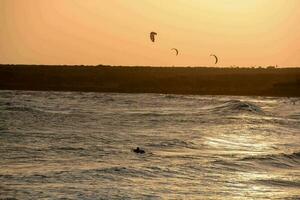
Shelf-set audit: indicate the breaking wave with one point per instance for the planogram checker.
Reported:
(237, 106)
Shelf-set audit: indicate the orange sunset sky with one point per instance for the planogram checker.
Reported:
(116, 32)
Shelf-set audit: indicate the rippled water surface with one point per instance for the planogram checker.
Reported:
(71, 145)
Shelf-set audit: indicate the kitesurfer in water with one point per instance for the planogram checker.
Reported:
(138, 150)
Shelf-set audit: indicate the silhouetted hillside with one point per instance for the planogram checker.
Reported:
(176, 80)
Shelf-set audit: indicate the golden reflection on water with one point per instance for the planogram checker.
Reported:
(236, 141)
(257, 184)
(253, 181)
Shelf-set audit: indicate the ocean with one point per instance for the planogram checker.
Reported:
(74, 145)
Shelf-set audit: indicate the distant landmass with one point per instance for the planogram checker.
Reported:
(168, 80)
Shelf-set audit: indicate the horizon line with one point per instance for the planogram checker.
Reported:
(154, 66)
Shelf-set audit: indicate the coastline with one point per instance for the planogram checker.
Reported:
(166, 80)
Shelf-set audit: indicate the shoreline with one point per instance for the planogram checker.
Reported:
(281, 82)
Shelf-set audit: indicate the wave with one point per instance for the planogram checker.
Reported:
(234, 106)
(157, 114)
(116, 172)
(281, 161)
(172, 143)
(279, 182)
(22, 109)
(295, 116)
(276, 160)
(170, 96)
(34, 110)
(71, 149)
(183, 97)
(230, 166)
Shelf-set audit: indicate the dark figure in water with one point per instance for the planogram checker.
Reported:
(138, 150)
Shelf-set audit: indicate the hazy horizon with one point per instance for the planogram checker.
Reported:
(154, 66)
(66, 32)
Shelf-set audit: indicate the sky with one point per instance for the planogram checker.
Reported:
(116, 32)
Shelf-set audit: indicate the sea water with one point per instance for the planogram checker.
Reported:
(73, 145)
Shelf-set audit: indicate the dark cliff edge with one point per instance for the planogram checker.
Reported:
(171, 80)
